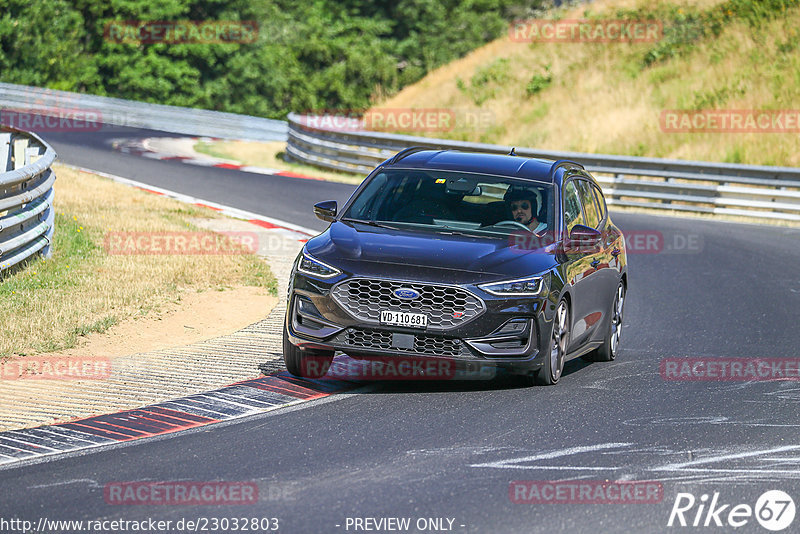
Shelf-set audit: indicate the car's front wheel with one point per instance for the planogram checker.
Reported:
(306, 364)
(610, 347)
(550, 373)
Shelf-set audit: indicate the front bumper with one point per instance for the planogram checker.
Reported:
(508, 333)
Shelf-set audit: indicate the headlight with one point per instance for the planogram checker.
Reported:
(524, 287)
(314, 267)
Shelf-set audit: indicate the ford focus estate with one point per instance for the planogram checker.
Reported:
(482, 259)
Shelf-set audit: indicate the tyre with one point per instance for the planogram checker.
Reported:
(610, 347)
(550, 373)
(305, 364)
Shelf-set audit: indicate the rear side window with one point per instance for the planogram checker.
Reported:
(589, 203)
(601, 202)
(572, 206)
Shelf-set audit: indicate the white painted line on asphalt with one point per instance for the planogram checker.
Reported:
(737, 470)
(90, 481)
(201, 163)
(711, 459)
(28, 443)
(509, 464)
(258, 170)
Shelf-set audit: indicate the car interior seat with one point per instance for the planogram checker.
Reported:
(430, 202)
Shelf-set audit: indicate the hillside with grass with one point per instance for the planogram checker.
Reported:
(609, 97)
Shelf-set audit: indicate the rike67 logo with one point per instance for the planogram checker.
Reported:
(774, 510)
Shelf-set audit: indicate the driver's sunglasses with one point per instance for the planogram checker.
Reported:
(520, 206)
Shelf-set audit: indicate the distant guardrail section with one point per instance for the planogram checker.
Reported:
(754, 192)
(26, 197)
(750, 191)
(20, 101)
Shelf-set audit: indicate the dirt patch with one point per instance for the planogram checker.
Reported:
(195, 316)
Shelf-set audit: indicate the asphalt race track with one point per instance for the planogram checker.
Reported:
(281, 197)
(451, 450)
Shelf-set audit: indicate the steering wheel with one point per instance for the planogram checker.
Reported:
(511, 224)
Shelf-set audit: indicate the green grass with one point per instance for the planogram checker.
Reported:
(684, 25)
(72, 246)
(539, 82)
(49, 304)
(210, 149)
(484, 83)
(74, 252)
(609, 98)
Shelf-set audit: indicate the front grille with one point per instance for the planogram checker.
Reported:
(446, 306)
(423, 344)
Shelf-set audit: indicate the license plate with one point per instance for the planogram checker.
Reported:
(411, 320)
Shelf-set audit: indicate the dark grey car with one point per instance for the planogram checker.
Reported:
(475, 258)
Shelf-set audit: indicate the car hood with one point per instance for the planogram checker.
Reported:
(391, 253)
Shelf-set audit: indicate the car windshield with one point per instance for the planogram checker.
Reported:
(446, 201)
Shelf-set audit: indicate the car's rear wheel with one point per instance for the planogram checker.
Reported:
(305, 364)
(550, 373)
(610, 347)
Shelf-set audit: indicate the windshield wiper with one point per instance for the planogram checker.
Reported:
(369, 223)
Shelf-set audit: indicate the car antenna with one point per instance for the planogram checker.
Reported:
(512, 153)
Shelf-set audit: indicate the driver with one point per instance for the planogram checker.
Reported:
(524, 205)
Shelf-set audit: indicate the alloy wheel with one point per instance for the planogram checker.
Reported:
(616, 319)
(558, 349)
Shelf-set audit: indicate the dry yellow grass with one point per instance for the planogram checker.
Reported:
(600, 102)
(600, 6)
(82, 289)
(269, 155)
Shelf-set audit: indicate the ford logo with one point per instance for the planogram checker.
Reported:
(406, 293)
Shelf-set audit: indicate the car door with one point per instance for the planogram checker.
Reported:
(590, 272)
(579, 269)
(613, 240)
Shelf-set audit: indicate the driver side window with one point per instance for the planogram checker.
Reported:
(572, 207)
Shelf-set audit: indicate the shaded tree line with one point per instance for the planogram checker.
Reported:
(320, 54)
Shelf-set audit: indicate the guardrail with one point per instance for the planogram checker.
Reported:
(119, 112)
(26, 197)
(758, 192)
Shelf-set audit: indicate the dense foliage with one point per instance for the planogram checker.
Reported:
(320, 54)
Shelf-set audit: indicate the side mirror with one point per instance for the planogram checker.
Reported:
(325, 210)
(584, 239)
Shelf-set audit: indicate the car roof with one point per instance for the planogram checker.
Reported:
(541, 170)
